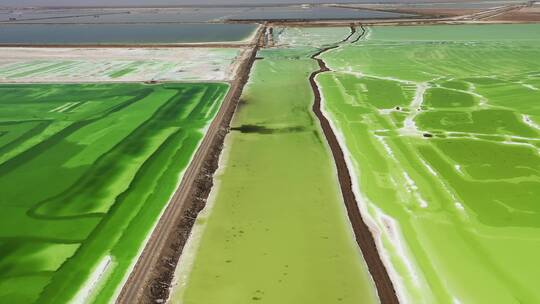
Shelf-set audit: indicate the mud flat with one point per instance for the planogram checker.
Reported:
(443, 142)
(276, 228)
(85, 172)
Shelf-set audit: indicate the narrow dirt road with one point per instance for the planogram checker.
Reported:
(364, 238)
(151, 277)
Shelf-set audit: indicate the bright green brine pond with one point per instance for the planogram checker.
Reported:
(441, 125)
(85, 172)
(275, 229)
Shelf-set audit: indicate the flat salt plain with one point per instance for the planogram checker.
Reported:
(275, 229)
(442, 125)
(22, 65)
(85, 172)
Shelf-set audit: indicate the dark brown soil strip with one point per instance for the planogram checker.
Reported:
(353, 31)
(363, 29)
(151, 278)
(364, 238)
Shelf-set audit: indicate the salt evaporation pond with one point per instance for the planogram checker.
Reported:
(122, 33)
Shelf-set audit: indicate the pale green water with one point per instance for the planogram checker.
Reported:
(458, 210)
(278, 230)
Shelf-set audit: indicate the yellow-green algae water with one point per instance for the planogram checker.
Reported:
(442, 128)
(85, 172)
(275, 229)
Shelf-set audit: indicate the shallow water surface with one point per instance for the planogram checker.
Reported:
(275, 229)
(442, 127)
(122, 33)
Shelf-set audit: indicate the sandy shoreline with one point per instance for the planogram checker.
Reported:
(187, 258)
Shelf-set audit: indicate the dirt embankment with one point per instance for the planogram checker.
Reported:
(353, 31)
(150, 280)
(364, 238)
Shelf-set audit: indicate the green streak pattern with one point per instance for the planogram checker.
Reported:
(275, 229)
(85, 172)
(442, 128)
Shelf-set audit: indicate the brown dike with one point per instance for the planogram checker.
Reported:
(151, 278)
(353, 31)
(364, 238)
(361, 34)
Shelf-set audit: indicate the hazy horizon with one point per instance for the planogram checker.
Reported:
(105, 3)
